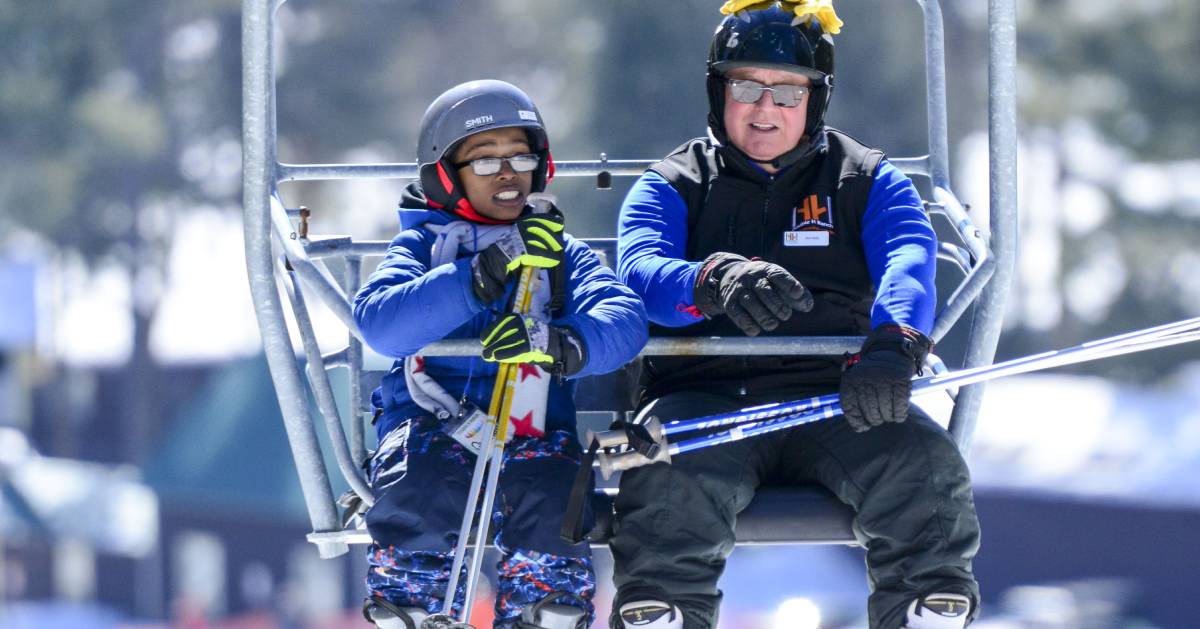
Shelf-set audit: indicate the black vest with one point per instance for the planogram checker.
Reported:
(807, 219)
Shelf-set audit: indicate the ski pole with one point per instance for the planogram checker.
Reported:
(1152, 338)
(1173, 334)
(1181, 332)
(499, 408)
(746, 415)
(1092, 350)
(464, 531)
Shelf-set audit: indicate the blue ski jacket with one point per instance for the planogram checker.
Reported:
(406, 305)
(896, 235)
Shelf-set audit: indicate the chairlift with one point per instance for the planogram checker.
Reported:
(279, 250)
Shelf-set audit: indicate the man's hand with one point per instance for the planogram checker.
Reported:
(754, 294)
(514, 338)
(535, 240)
(877, 381)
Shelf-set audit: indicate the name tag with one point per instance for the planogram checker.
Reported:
(811, 238)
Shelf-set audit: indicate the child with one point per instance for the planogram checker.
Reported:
(467, 228)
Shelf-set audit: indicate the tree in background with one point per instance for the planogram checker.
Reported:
(114, 117)
(1107, 102)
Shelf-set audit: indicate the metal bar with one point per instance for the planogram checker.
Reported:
(700, 346)
(361, 536)
(323, 391)
(988, 315)
(342, 247)
(912, 165)
(953, 210)
(315, 277)
(351, 276)
(985, 264)
(334, 360)
(956, 255)
(571, 168)
(935, 93)
(258, 180)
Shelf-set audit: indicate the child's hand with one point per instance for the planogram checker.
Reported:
(536, 241)
(514, 338)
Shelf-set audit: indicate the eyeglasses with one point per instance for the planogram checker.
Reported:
(485, 166)
(784, 95)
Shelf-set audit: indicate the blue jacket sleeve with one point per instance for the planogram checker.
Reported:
(405, 305)
(651, 246)
(608, 317)
(901, 250)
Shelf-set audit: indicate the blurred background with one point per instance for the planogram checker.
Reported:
(145, 479)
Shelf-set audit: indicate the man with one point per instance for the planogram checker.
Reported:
(778, 225)
(466, 229)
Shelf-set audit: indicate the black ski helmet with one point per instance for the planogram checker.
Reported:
(462, 111)
(768, 38)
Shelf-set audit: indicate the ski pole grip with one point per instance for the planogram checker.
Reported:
(610, 463)
(620, 435)
(608, 438)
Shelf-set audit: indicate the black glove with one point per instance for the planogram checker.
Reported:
(535, 240)
(514, 338)
(877, 381)
(754, 294)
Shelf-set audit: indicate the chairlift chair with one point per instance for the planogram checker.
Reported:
(279, 250)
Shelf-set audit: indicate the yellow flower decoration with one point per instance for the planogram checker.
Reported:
(733, 6)
(823, 11)
(805, 11)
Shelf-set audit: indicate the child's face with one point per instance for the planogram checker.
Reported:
(500, 196)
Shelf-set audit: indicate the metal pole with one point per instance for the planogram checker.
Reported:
(318, 379)
(567, 168)
(258, 181)
(1002, 147)
(354, 360)
(935, 93)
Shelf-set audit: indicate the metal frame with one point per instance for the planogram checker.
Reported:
(987, 262)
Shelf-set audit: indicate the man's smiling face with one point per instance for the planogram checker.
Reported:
(763, 130)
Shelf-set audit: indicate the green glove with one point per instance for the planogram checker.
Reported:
(535, 240)
(538, 242)
(514, 338)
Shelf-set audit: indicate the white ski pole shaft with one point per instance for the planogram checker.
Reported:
(464, 531)
(1183, 332)
(1106, 348)
(485, 517)
(1092, 350)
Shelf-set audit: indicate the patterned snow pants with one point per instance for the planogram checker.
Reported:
(421, 478)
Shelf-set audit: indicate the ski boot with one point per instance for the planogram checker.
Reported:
(939, 611)
(385, 615)
(443, 621)
(649, 614)
(547, 614)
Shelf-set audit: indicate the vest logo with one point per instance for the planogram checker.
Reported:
(811, 215)
(475, 122)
